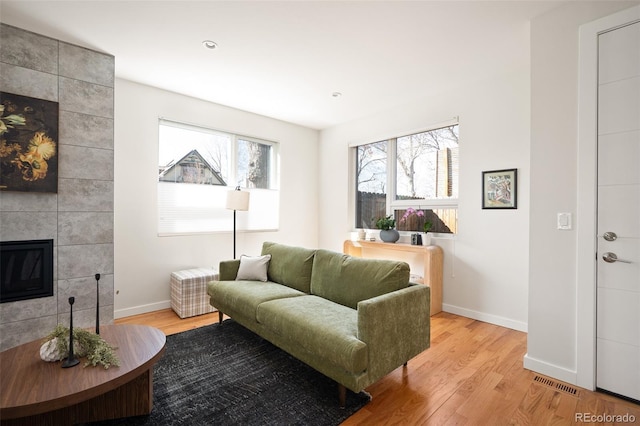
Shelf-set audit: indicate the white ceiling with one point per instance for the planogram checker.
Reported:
(285, 59)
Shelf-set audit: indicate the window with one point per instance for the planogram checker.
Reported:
(413, 177)
(196, 168)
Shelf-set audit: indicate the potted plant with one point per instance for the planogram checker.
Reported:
(427, 227)
(388, 233)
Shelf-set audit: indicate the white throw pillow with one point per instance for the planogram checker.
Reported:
(253, 268)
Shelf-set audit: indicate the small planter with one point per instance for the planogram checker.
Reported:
(389, 235)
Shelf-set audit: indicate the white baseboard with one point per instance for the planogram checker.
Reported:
(142, 309)
(482, 316)
(557, 372)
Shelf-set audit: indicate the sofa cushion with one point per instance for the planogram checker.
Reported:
(253, 268)
(347, 280)
(246, 295)
(290, 266)
(320, 327)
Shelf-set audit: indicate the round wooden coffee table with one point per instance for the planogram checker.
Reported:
(34, 392)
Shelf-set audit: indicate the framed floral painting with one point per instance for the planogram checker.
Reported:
(28, 144)
(500, 189)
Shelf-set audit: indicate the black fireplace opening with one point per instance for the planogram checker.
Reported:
(26, 270)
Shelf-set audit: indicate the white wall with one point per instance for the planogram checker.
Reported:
(144, 261)
(486, 263)
(511, 267)
(551, 343)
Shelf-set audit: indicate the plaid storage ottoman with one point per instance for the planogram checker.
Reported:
(189, 291)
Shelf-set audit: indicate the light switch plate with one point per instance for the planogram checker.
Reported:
(564, 221)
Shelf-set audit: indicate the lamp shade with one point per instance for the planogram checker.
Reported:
(238, 200)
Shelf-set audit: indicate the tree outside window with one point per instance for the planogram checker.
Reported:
(371, 178)
(254, 164)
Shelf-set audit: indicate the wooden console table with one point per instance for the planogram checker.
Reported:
(433, 263)
(35, 392)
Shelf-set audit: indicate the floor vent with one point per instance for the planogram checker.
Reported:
(556, 385)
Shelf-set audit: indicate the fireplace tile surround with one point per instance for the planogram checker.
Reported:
(79, 218)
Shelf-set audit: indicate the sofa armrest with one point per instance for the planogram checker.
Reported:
(229, 270)
(395, 326)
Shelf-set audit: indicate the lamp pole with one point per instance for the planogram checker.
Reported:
(237, 200)
(234, 233)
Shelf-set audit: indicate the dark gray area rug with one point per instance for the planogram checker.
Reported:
(224, 374)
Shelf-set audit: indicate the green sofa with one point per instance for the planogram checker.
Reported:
(354, 320)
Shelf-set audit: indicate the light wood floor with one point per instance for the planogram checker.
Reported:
(471, 375)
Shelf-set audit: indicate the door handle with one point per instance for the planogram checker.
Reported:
(612, 258)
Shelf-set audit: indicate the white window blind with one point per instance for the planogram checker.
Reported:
(190, 208)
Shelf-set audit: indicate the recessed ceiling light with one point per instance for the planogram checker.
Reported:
(336, 94)
(208, 44)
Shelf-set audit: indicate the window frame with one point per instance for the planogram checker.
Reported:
(258, 195)
(392, 204)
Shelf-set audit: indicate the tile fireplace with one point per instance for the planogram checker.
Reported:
(79, 218)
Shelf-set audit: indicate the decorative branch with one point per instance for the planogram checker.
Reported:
(86, 344)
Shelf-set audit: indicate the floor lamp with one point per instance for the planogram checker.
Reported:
(237, 200)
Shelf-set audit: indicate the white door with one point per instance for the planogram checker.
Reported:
(618, 298)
